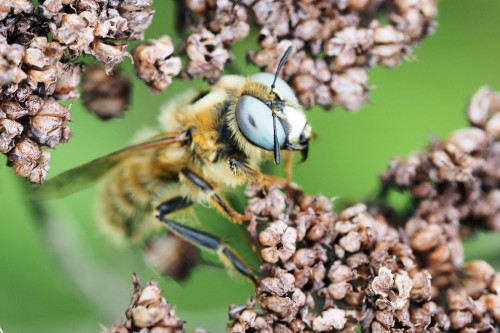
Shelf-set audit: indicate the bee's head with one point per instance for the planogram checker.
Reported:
(270, 117)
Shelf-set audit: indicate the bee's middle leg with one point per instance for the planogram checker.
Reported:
(222, 205)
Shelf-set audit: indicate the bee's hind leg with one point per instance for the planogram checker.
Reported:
(172, 205)
(215, 199)
(205, 241)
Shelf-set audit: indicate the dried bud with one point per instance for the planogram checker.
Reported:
(49, 125)
(9, 130)
(109, 54)
(172, 256)
(155, 64)
(350, 88)
(24, 157)
(107, 96)
(280, 241)
(206, 54)
(67, 84)
(329, 320)
(280, 285)
(39, 174)
(16, 7)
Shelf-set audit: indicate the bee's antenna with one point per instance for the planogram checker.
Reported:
(283, 59)
(276, 142)
(280, 65)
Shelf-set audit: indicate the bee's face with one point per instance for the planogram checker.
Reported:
(254, 115)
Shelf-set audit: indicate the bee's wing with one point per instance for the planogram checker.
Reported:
(85, 175)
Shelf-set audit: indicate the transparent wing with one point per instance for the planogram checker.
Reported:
(85, 175)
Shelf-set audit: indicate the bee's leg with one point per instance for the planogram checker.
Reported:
(172, 205)
(240, 166)
(216, 200)
(209, 242)
(288, 165)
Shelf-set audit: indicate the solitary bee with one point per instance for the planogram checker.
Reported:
(212, 141)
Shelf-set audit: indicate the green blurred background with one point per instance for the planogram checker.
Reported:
(69, 277)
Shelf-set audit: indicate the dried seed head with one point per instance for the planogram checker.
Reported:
(49, 125)
(149, 312)
(107, 96)
(452, 181)
(109, 54)
(24, 157)
(329, 319)
(155, 64)
(206, 54)
(67, 83)
(280, 241)
(172, 256)
(350, 88)
(15, 7)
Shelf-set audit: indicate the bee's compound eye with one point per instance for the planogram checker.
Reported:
(255, 120)
(282, 88)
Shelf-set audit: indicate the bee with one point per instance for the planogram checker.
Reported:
(211, 142)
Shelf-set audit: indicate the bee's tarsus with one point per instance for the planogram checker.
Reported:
(255, 174)
(219, 203)
(242, 166)
(238, 263)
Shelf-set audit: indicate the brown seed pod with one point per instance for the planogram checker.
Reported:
(155, 64)
(107, 96)
(172, 256)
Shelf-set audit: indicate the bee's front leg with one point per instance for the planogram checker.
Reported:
(215, 199)
(240, 166)
(202, 239)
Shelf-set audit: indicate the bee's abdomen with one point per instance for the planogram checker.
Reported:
(129, 196)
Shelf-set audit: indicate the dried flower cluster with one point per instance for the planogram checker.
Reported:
(149, 312)
(455, 185)
(38, 46)
(325, 272)
(353, 267)
(335, 42)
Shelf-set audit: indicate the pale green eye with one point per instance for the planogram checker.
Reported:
(281, 88)
(255, 121)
